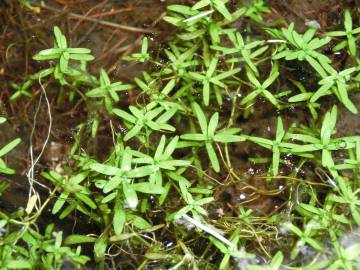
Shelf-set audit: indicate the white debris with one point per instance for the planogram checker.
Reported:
(313, 23)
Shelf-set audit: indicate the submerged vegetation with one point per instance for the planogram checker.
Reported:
(171, 193)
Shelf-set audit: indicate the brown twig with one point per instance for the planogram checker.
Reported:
(112, 49)
(101, 22)
(101, 4)
(112, 12)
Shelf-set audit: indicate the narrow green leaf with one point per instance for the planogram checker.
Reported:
(100, 247)
(141, 171)
(214, 120)
(76, 239)
(201, 118)
(10, 146)
(105, 169)
(18, 264)
(212, 156)
(119, 216)
(124, 115)
(60, 202)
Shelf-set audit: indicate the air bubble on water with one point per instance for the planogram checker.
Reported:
(342, 144)
(168, 244)
(251, 171)
(242, 197)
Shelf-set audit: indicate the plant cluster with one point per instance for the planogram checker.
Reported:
(179, 136)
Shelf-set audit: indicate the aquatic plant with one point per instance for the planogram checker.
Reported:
(173, 150)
